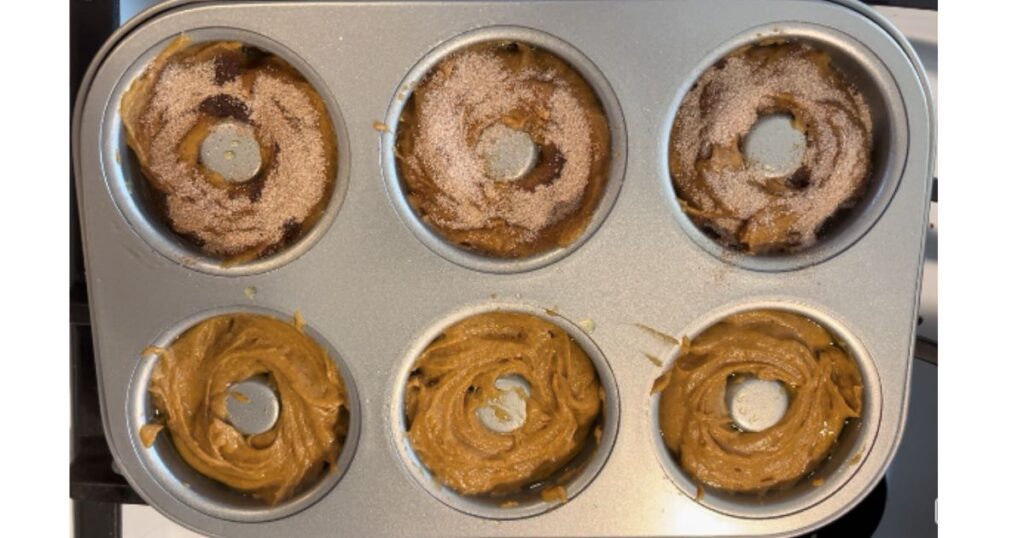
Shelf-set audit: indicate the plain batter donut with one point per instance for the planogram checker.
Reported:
(455, 376)
(823, 382)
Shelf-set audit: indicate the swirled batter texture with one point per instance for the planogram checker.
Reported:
(738, 202)
(456, 375)
(190, 88)
(192, 380)
(824, 386)
(440, 154)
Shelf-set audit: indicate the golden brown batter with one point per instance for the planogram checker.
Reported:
(456, 375)
(824, 386)
(523, 88)
(192, 380)
(741, 204)
(187, 90)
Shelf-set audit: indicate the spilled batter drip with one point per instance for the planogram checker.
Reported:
(824, 385)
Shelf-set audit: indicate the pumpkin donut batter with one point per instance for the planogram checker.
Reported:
(191, 89)
(737, 202)
(443, 137)
(823, 382)
(455, 377)
(190, 385)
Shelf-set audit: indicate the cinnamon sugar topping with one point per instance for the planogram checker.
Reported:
(441, 138)
(188, 95)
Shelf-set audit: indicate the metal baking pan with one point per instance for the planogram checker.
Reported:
(374, 284)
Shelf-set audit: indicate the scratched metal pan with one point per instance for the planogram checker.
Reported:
(376, 285)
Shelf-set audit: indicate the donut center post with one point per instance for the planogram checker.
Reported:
(231, 150)
(507, 412)
(252, 406)
(755, 404)
(508, 154)
(774, 146)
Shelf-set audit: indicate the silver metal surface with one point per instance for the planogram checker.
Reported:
(774, 146)
(231, 150)
(509, 154)
(378, 284)
(756, 404)
(252, 406)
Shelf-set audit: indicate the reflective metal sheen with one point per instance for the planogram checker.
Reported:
(376, 283)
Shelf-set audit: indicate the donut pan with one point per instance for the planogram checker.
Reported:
(374, 284)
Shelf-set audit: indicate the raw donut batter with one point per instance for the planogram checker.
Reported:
(229, 89)
(823, 382)
(192, 381)
(456, 376)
